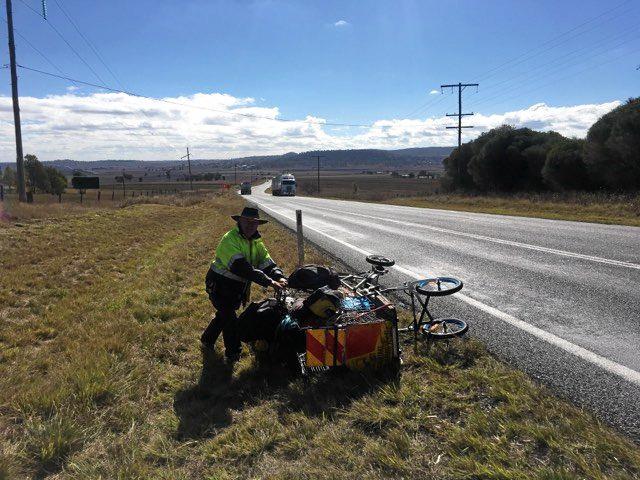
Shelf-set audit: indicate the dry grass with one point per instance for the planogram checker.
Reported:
(578, 206)
(367, 187)
(12, 211)
(101, 376)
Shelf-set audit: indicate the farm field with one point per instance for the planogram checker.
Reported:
(608, 208)
(376, 187)
(101, 375)
(109, 196)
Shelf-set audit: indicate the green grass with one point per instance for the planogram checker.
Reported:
(101, 375)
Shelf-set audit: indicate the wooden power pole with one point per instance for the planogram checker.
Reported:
(188, 157)
(318, 157)
(22, 192)
(460, 87)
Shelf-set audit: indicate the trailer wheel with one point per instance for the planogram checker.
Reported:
(380, 261)
(437, 287)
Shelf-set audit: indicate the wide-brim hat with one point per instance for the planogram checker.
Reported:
(250, 214)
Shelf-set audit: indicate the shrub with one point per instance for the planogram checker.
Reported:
(564, 168)
(613, 145)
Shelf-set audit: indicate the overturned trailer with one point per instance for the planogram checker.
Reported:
(327, 320)
(364, 335)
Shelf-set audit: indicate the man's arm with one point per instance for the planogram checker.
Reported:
(267, 265)
(241, 267)
(274, 272)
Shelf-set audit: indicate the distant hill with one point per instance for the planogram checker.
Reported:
(357, 158)
(368, 158)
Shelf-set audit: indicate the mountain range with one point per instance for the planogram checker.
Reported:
(369, 158)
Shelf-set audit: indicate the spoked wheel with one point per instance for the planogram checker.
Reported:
(439, 286)
(442, 328)
(380, 261)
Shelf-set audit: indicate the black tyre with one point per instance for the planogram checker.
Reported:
(380, 261)
(439, 286)
(442, 328)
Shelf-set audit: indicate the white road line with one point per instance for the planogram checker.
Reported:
(592, 258)
(621, 371)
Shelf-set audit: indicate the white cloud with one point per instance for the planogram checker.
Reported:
(117, 125)
(341, 23)
(434, 92)
(72, 88)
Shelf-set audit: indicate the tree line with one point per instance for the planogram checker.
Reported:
(38, 177)
(508, 159)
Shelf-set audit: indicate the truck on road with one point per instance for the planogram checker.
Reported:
(284, 184)
(245, 188)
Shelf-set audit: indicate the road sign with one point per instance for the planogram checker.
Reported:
(85, 183)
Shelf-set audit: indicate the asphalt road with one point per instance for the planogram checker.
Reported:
(559, 300)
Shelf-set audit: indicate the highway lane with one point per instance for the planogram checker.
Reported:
(560, 300)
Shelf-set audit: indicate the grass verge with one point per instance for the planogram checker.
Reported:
(579, 207)
(101, 376)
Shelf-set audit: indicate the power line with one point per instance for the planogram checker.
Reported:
(489, 73)
(65, 41)
(588, 48)
(555, 81)
(34, 48)
(90, 44)
(430, 103)
(76, 83)
(103, 86)
(551, 73)
(164, 100)
(542, 73)
(101, 59)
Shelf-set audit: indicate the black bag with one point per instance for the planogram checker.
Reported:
(268, 321)
(260, 320)
(312, 277)
(289, 342)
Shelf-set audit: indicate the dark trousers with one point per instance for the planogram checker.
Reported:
(225, 321)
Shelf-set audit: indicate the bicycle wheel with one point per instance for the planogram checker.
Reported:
(438, 286)
(380, 261)
(442, 328)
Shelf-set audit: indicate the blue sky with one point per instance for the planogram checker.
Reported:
(341, 61)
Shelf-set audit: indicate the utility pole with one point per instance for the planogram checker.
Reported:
(188, 157)
(460, 87)
(22, 192)
(124, 189)
(318, 157)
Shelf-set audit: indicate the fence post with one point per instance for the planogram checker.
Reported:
(300, 238)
